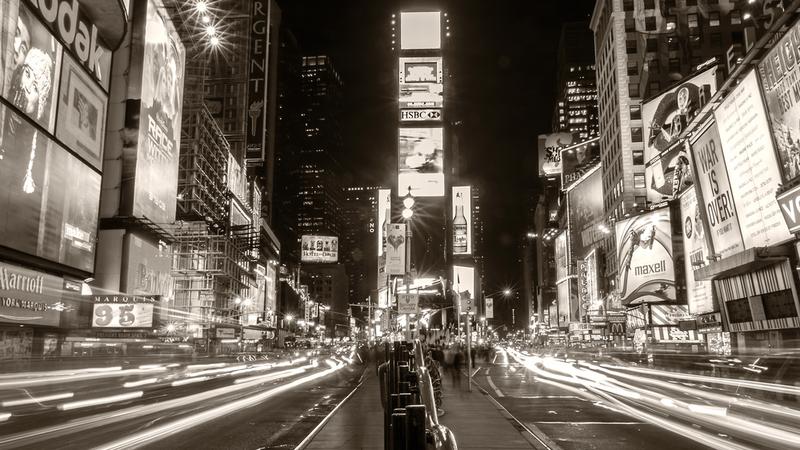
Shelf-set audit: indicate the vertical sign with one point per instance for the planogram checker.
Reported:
(489, 305)
(257, 83)
(384, 217)
(562, 258)
(695, 250)
(396, 249)
(752, 166)
(464, 287)
(462, 220)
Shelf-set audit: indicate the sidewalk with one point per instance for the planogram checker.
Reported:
(473, 418)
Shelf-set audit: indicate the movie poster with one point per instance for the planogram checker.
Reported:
(586, 212)
(156, 177)
(644, 252)
(421, 162)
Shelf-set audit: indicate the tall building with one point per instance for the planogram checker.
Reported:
(641, 47)
(357, 242)
(576, 89)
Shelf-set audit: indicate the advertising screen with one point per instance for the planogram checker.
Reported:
(779, 73)
(122, 315)
(577, 160)
(156, 173)
(421, 70)
(550, 152)
(55, 216)
(81, 121)
(462, 220)
(28, 297)
(644, 252)
(752, 167)
(464, 285)
(384, 216)
(271, 302)
(421, 162)
(420, 30)
(565, 296)
(661, 315)
(667, 116)
(489, 307)
(396, 249)
(237, 180)
(421, 86)
(715, 187)
(695, 250)
(31, 64)
(562, 256)
(149, 268)
(585, 200)
(319, 249)
(383, 298)
(588, 287)
(668, 174)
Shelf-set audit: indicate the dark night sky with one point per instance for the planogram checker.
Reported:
(504, 58)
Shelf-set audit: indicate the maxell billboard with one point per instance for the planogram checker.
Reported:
(258, 88)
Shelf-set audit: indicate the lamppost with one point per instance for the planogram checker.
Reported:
(408, 213)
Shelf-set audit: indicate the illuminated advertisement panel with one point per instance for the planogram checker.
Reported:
(421, 162)
(384, 216)
(421, 70)
(752, 166)
(462, 220)
(464, 286)
(54, 217)
(588, 288)
(562, 256)
(715, 187)
(668, 115)
(237, 180)
(695, 250)
(420, 30)
(421, 87)
(396, 249)
(644, 252)
(585, 200)
(577, 160)
(779, 73)
(121, 311)
(488, 307)
(271, 302)
(258, 81)
(319, 249)
(28, 297)
(149, 268)
(668, 174)
(383, 298)
(159, 120)
(550, 152)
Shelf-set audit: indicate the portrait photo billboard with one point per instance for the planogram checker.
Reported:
(319, 249)
(421, 162)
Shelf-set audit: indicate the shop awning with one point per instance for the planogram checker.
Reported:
(747, 261)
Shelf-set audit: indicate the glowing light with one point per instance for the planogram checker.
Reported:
(211, 30)
(407, 213)
(408, 202)
(206, 19)
(100, 401)
(29, 400)
(131, 384)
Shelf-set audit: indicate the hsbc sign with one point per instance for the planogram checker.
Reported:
(420, 115)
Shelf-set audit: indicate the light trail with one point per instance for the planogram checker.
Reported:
(100, 400)
(38, 400)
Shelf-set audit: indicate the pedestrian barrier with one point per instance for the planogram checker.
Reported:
(408, 399)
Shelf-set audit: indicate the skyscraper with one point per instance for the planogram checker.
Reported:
(357, 241)
(576, 89)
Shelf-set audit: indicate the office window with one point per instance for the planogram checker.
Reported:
(636, 112)
(652, 45)
(736, 17)
(630, 24)
(672, 23)
(640, 200)
(692, 20)
(655, 87)
(636, 134)
(627, 5)
(633, 68)
(672, 44)
(649, 4)
(715, 39)
(650, 23)
(713, 19)
(652, 65)
(638, 156)
(669, 3)
(691, 2)
(638, 181)
(630, 46)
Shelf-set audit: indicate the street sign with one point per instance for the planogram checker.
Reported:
(407, 303)
(420, 115)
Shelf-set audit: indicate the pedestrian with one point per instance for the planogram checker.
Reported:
(458, 360)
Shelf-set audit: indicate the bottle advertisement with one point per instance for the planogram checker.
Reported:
(462, 220)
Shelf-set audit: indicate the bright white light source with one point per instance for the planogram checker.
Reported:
(201, 6)
(408, 202)
(407, 213)
(211, 30)
(420, 30)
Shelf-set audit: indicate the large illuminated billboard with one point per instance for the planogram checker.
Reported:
(577, 160)
(585, 200)
(779, 73)
(464, 286)
(421, 85)
(644, 252)
(319, 249)
(420, 30)
(666, 116)
(384, 217)
(462, 220)
(668, 174)
(121, 311)
(752, 166)
(421, 162)
(396, 249)
(695, 251)
(550, 146)
(158, 119)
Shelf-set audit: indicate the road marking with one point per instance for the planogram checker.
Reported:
(547, 396)
(491, 383)
(554, 422)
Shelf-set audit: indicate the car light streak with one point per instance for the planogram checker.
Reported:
(131, 384)
(150, 435)
(89, 374)
(274, 376)
(186, 381)
(4, 416)
(100, 400)
(39, 400)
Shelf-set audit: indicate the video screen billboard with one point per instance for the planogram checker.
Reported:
(156, 172)
(585, 200)
(779, 72)
(31, 64)
(550, 152)
(752, 166)
(462, 220)
(644, 252)
(421, 83)
(420, 30)
(149, 268)
(421, 162)
(668, 115)
(319, 249)
(699, 294)
(578, 159)
(53, 195)
(715, 187)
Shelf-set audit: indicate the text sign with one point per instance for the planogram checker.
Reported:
(407, 303)
(420, 115)
(789, 202)
(122, 315)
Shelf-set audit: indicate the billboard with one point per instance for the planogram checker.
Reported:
(319, 249)
(407, 303)
(237, 180)
(257, 90)
(396, 249)
(420, 30)
(271, 301)
(668, 174)
(699, 294)
(489, 307)
(715, 187)
(421, 162)
(384, 217)
(122, 311)
(668, 115)
(562, 256)
(29, 297)
(644, 252)
(752, 166)
(421, 115)
(588, 286)
(54, 217)
(577, 160)
(383, 297)
(158, 119)
(462, 220)
(149, 268)
(779, 72)
(421, 84)
(550, 152)
(585, 201)
(464, 287)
